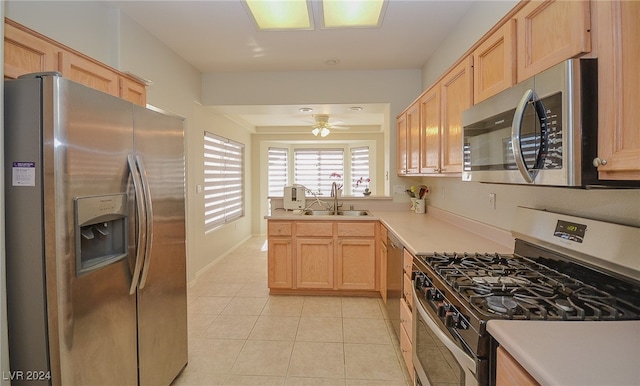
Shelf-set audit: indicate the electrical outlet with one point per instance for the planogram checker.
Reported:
(399, 189)
(198, 188)
(492, 201)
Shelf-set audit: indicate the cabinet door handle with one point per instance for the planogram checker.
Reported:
(599, 162)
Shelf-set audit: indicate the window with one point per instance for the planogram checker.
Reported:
(278, 170)
(313, 168)
(359, 168)
(223, 180)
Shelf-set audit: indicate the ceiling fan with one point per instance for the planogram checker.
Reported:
(322, 125)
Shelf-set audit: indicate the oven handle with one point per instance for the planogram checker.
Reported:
(463, 359)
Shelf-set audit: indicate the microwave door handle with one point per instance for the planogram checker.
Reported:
(516, 132)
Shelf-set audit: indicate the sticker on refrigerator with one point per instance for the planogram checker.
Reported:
(24, 174)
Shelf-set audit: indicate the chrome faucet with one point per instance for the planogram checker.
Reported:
(334, 194)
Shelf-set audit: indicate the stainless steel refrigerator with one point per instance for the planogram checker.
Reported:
(95, 241)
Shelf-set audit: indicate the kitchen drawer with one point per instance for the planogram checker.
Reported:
(357, 229)
(406, 318)
(407, 290)
(278, 228)
(405, 348)
(407, 264)
(312, 228)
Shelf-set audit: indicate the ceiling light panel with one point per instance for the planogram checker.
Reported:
(352, 13)
(281, 14)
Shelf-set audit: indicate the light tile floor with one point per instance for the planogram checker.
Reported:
(241, 335)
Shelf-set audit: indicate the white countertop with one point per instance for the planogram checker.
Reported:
(567, 353)
(438, 231)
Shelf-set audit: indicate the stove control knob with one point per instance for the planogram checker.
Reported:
(451, 319)
(443, 309)
(437, 295)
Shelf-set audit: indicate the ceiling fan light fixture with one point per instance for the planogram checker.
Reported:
(323, 132)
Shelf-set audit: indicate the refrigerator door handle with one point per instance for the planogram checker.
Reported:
(142, 223)
(149, 218)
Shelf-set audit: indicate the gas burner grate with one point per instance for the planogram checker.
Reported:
(516, 287)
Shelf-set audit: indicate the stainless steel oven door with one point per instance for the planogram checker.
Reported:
(436, 358)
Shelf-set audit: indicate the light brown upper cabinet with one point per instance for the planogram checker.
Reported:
(408, 137)
(89, 73)
(550, 32)
(456, 93)
(618, 90)
(401, 144)
(413, 139)
(133, 91)
(494, 63)
(430, 130)
(26, 51)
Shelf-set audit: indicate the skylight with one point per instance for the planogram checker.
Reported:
(297, 14)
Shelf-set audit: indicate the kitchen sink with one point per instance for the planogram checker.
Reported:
(310, 212)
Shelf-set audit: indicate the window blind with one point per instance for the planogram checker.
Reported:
(223, 180)
(359, 168)
(278, 170)
(313, 168)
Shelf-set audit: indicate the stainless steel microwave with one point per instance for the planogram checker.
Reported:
(542, 131)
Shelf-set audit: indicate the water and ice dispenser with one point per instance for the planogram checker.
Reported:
(101, 231)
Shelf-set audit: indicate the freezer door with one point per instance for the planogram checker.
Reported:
(162, 292)
(84, 137)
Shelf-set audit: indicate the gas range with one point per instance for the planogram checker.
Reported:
(521, 288)
(563, 268)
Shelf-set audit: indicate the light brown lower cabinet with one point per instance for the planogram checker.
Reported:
(280, 254)
(280, 262)
(327, 256)
(509, 372)
(406, 346)
(356, 268)
(406, 315)
(314, 263)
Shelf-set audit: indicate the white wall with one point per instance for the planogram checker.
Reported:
(471, 199)
(478, 20)
(397, 88)
(113, 38)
